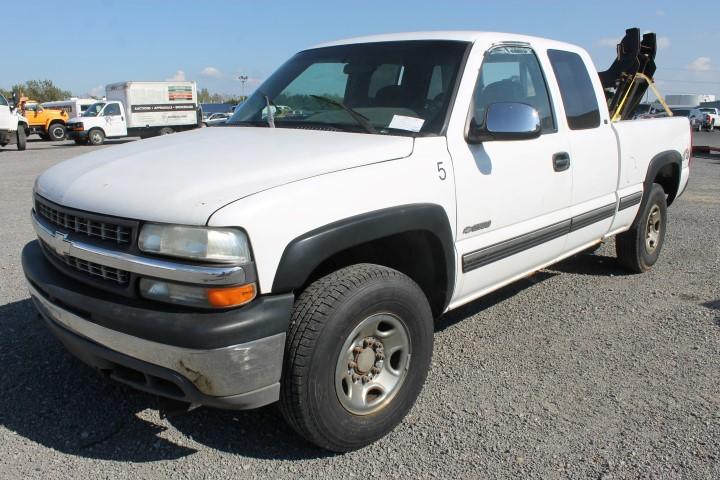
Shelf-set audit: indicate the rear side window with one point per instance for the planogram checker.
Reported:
(576, 88)
(3, 101)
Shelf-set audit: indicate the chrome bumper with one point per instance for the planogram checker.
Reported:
(151, 267)
(253, 367)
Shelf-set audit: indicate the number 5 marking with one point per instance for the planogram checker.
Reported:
(442, 174)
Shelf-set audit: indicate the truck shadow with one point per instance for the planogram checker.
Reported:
(50, 398)
(590, 264)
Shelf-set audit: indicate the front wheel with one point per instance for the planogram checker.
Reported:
(21, 138)
(639, 248)
(357, 354)
(166, 131)
(56, 132)
(96, 137)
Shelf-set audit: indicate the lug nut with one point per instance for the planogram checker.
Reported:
(357, 350)
(380, 355)
(355, 377)
(352, 365)
(365, 379)
(375, 370)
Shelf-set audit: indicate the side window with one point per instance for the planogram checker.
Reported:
(513, 74)
(112, 110)
(578, 93)
(3, 102)
(384, 76)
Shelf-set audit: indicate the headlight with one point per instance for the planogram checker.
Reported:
(218, 245)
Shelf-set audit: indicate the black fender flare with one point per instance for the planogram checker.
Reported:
(306, 252)
(660, 161)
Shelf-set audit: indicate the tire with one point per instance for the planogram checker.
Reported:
(57, 132)
(96, 137)
(639, 248)
(21, 138)
(166, 131)
(329, 326)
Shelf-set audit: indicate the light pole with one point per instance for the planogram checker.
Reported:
(243, 79)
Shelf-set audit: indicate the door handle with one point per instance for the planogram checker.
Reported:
(561, 161)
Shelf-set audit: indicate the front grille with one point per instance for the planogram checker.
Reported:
(113, 232)
(120, 277)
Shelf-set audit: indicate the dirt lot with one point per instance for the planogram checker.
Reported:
(580, 371)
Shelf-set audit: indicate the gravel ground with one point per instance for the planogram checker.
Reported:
(580, 371)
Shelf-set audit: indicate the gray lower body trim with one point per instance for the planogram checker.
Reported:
(630, 200)
(493, 253)
(220, 372)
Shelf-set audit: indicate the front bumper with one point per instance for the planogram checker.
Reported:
(76, 134)
(230, 359)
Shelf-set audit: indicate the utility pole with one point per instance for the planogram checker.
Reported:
(243, 79)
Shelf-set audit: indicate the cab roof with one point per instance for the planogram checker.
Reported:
(454, 35)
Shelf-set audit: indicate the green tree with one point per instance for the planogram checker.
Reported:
(41, 91)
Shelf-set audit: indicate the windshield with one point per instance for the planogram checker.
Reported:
(94, 109)
(397, 88)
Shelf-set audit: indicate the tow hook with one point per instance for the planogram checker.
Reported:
(170, 408)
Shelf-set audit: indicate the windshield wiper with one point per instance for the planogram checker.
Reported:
(359, 118)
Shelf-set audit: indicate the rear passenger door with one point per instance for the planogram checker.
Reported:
(594, 156)
(512, 199)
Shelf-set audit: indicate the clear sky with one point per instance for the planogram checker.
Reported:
(213, 41)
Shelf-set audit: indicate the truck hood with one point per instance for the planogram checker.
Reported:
(185, 177)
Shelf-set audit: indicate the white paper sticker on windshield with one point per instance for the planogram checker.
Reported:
(411, 124)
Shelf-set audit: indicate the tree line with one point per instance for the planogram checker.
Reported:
(46, 91)
(39, 90)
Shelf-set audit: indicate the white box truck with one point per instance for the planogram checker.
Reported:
(138, 109)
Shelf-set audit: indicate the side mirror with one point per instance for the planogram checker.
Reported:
(506, 121)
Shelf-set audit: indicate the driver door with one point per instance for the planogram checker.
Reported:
(115, 125)
(5, 116)
(513, 196)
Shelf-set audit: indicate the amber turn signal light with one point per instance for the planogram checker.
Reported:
(231, 296)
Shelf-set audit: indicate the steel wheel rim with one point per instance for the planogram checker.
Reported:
(373, 364)
(654, 226)
(57, 132)
(95, 137)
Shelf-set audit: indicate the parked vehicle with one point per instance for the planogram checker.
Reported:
(303, 258)
(13, 126)
(73, 107)
(215, 119)
(138, 109)
(705, 118)
(46, 122)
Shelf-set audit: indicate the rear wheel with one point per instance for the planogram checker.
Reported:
(56, 132)
(357, 354)
(96, 137)
(21, 138)
(639, 248)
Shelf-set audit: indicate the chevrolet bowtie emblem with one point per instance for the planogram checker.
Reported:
(61, 244)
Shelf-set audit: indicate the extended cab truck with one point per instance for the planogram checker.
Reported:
(48, 123)
(13, 126)
(138, 109)
(303, 258)
(705, 117)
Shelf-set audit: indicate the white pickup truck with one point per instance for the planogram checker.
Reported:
(705, 117)
(13, 126)
(302, 255)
